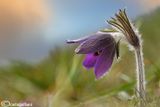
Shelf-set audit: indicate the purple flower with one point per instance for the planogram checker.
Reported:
(100, 49)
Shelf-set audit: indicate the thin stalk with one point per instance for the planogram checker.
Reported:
(140, 75)
(122, 23)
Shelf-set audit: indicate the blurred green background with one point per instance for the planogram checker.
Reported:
(59, 79)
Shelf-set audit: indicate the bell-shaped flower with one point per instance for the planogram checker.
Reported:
(100, 49)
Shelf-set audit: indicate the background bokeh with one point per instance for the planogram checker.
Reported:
(37, 66)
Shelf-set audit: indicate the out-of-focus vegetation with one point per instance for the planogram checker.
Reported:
(61, 81)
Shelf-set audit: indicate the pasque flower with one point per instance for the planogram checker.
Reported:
(100, 49)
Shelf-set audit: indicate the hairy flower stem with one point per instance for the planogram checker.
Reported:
(122, 24)
(140, 76)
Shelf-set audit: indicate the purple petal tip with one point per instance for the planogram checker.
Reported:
(89, 61)
(69, 41)
(100, 76)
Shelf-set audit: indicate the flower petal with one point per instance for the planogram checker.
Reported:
(89, 61)
(95, 43)
(104, 61)
(80, 40)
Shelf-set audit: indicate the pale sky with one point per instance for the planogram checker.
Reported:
(30, 28)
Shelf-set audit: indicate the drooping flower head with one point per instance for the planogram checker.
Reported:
(100, 49)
